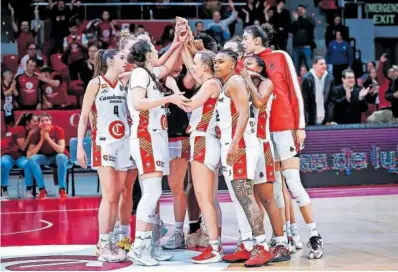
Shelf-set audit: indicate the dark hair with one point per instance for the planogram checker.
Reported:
(132, 27)
(344, 73)
(110, 17)
(301, 6)
(265, 32)
(101, 60)
(25, 118)
(198, 22)
(373, 62)
(45, 69)
(261, 63)
(316, 59)
(32, 60)
(277, 2)
(166, 34)
(230, 53)
(208, 41)
(29, 44)
(5, 70)
(137, 56)
(72, 23)
(207, 57)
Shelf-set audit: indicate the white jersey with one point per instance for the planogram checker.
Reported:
(227, 118)
(262, 120)
(203, 118)
(109, 112)
(148, 120)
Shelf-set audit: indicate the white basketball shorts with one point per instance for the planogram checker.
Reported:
(116, 155)
(286, 144)
(205, 148)
(265, 170)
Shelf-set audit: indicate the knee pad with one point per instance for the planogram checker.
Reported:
(292, 177)
(151, 192)
(278, 192)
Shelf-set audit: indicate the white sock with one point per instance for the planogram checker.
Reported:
(219, 240)
(261, 240)
(156, 219)
(214, 244)
(280, 240)
(123, 231)
(116, 227)
(288, 231)
(284, 230)
(312, 229)
(104, 239)
(247, 240)
(178, 227)
(293, 229)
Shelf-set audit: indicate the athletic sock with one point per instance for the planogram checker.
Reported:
(293, 229)
(261, 240)
(156, 219)
(312, 229)
(214, 244)
(178, 227)
(194, 226)
(284, 230)
(104, 239)
(123, 231)
(280, 240)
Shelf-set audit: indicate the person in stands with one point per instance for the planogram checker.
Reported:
(47, 147)
(28, 86)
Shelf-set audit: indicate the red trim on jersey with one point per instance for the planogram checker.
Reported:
(234, 121)
(199, 151)
(239, 168)
(262, 123)
(142, 129)
(95, 149)
(185, 148)
(112, 85)
(269, 162)
(146, 153)
(207, 114)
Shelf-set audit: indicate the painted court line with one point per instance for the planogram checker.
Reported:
(48, 225)
(50, 211)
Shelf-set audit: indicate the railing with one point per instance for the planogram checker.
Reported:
(141, 5)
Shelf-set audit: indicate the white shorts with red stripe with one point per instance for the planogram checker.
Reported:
(179, 148)
(245, 167)
(205, 148)
(116, 155)
(265, 170)
(151, 152)
(286, 144)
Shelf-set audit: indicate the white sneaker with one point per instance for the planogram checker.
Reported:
(107, 254)
(290, 245)
(142, 256)
(29, 194)
(4, 195)
(297, 242)
(158, 254)
(177, 241)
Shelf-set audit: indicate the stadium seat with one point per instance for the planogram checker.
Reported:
(56, 62)
(11, 62)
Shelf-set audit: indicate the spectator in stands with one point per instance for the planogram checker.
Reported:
(167, 36)
(28, 87)
(23, 34)
(303, 72)
(340, 55)
(199, 28)
(8, 92)
(220, 28)
(48, 148)
(86, 70)
(331, 30)
(140, 30)
(282, 16)
(75, 50)
(392, 95)
(384, 81)
(317, 86)
(251, 12)
(106, 29)
(303, 37)
(55, 94)
(13, 153)
(347, 101)
(269, 15)
(208, 42)
(31, 50)
(369, 66)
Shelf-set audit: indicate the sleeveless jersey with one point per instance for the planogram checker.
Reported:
(227, 119)
(262, 119)
(203, 118)
(109, 112)
(146, 120)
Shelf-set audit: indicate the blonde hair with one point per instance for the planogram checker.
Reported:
(125, 37)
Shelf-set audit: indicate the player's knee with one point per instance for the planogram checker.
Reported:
(292, 177)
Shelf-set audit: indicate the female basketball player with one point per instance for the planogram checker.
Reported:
(205, 149)
(105, 103)
(239, 153)
(287, 124)
(148, 144)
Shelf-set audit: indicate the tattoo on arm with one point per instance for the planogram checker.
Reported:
(244, 193)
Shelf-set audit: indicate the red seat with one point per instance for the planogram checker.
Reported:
(11, 62)
(56, 62)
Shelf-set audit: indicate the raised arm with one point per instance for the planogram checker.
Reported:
(261, 94)
(165, 69)
(13, 23)
(208, 90)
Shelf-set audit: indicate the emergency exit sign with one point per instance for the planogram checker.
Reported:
(383, 13)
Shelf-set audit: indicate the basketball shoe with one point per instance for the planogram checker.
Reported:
(241, 254)
(177, 241)
(209, 255)
(259, 257)
(141, 255)
(316, 247)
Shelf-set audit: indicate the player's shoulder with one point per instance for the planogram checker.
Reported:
(212, 83)
(236, 79)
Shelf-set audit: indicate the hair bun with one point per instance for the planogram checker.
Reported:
(125, 33)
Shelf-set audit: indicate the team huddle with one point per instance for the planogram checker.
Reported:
(244, 114)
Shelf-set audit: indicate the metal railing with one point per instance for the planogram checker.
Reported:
(141, 5)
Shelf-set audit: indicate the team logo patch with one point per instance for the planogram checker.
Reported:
(272, 66)
(29, 85)
(49, 90)
(105, 157)
(261, 174)
(117, 129)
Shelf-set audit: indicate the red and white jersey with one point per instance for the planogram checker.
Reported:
(146, 120)
(203, 118)
(109, 112)
(262, 120)
(227, 119)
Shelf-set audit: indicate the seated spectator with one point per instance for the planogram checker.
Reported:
(28, 87)
(8, 93)
(347, 102)
(237, 47)
(86, 69)
(331, 30)
(31, 51)
(369, 66)
(55, 94)
(47, 147)
(13, 153)
(219, 27)
(317, 86)
(199, 28)
(339, 55)
(75, 50)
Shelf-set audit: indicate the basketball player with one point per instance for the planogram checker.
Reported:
(287, 125)
(205, 150)
(148, 145)
(105, 103)
(239, 154)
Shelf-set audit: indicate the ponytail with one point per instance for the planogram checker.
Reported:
(25, 118)
(98, 62)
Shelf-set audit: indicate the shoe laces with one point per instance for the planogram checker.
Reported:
(314, 242)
